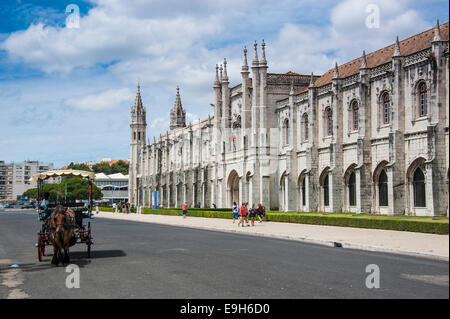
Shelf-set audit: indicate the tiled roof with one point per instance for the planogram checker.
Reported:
(408, 46)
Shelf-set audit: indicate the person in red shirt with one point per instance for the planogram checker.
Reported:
(241, 214)
(185, 209)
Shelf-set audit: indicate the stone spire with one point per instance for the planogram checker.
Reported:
(245, 65)
(221, 75)
(397, 48)
(177, 114)
(216, 81)
(311, 81)
(336, 71)
(255, 61)
(225, 75)
(138, 106)
(177, 105)
(364, 61)
(437, 32)
(263, 54)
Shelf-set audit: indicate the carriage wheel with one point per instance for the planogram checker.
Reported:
(89, 240)
(40, 248)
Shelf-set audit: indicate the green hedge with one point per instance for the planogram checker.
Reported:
(110, 209)
(356, 222)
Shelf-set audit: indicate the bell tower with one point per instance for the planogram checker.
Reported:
(138, 125)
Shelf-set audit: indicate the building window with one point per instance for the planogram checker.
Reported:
(419, 188)
(329, 121)
(352, 189)
(386, 108)
(326, 192)
(305, 127)
(355, 115)
(134, 136)
(286, 132)
(383, 189)
(423, 110)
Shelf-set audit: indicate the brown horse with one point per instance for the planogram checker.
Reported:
(62, 224)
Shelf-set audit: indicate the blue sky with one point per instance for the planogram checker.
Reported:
(66, 93)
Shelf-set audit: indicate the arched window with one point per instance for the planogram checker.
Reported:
(305, 127)
(355, 115)
(304, 191)
(423, 109)
(383, 189)
(326, 193)
(419, 188)
(329, 121)
(237, 122)
(352, 189)
(386, 103)
(134, 136)
(286, 131)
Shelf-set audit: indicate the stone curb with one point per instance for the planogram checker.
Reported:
(305, 240)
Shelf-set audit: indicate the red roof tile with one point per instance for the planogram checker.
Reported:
(408, 46)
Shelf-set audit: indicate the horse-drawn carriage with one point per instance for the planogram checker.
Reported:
(67, 219)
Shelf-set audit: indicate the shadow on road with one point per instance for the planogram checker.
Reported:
(78, 258)
(97, 254)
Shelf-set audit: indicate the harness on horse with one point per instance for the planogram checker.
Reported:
(67, 225)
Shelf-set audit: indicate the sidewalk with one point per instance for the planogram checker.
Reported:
(399, 242)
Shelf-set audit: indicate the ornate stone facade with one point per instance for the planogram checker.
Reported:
(368, 136)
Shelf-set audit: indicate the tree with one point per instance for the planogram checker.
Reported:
(77, 188)
(120, 167)
(102, 168)
(80, 166)
(105, 168)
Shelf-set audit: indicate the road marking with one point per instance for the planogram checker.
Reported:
(439, 280)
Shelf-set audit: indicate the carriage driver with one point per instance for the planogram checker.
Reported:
(44, 206)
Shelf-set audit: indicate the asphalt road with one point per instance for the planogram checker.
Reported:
(143, 260)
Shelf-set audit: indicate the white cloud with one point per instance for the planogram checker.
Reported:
(106, 100)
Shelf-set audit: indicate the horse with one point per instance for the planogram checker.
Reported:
(62, 224)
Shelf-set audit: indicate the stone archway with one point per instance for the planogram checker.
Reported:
(233, 188)
(283, 192)
(350, 189)
(416, 187)
(302, 191)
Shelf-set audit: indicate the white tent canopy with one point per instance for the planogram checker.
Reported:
(63, 173)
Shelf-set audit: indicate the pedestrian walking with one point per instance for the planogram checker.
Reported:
(241, 215)
(246, 213)
(252, 214)
(235, 212)
(114, 206)
(185, 209)
(261, 212)
(96, 209)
